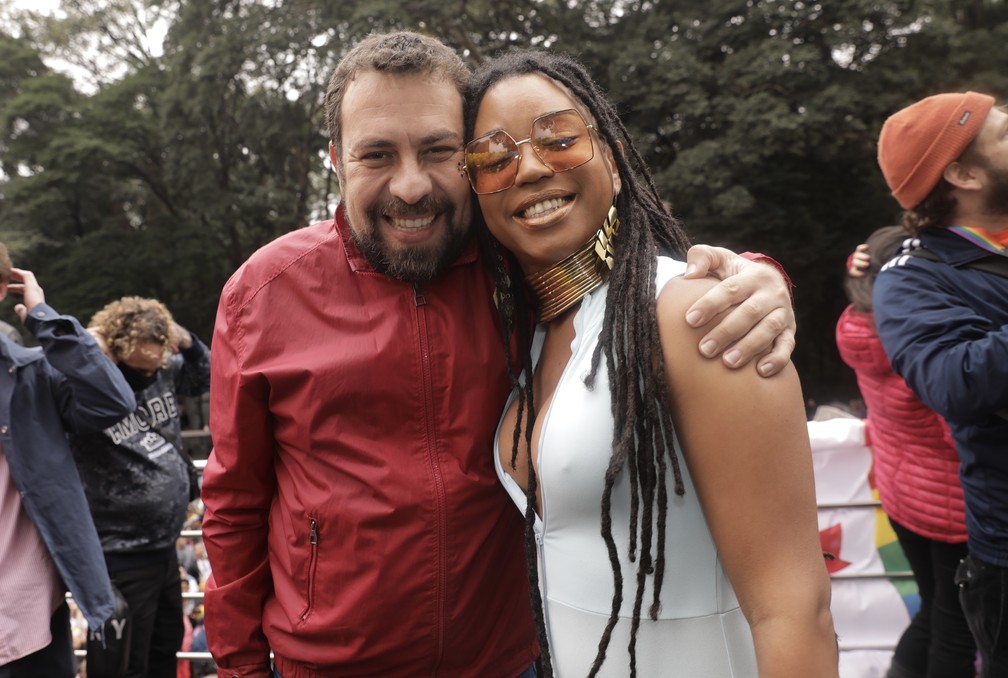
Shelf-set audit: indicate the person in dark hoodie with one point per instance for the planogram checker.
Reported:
(138, 479)
(48, 542)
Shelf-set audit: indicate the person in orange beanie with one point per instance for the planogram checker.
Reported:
(941, 312)
(916, 471)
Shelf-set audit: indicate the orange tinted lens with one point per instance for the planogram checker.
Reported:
(561, 140)
(491, 162)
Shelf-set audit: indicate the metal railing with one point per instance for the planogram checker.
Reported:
(900, 575)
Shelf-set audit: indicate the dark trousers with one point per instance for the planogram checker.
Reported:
(983, 592)
(154, 596)
(55, 659)
(938, 643)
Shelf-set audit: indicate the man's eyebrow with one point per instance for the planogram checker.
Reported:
(382, 143)
(370, 144)
(441, 136)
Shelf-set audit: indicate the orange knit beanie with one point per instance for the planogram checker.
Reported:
(920, 141)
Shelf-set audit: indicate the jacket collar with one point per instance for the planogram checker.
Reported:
(359, 264)
(950, 247)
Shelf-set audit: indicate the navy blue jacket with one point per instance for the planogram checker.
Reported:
(67, 386)
(944, 327)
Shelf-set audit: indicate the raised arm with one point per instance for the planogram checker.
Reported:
(193, 378)
(746, 445)
(761, 321)
(239, 484)
(92, 393)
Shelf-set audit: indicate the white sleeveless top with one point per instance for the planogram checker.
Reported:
(700, 631)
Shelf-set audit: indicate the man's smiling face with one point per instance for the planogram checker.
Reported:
(408, 207)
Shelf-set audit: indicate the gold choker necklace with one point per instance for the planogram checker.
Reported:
(564, 283)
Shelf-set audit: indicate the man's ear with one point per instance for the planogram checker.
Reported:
(964, 176)
(3, 290)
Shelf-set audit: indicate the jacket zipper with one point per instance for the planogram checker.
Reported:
(312, 562)
(440, 517)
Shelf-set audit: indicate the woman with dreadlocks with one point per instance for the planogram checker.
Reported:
(631, 550)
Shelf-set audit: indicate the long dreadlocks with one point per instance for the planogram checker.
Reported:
(642, 439)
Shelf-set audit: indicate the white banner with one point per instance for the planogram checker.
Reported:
(869, 613)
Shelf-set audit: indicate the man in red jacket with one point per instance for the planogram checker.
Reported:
(354, 522)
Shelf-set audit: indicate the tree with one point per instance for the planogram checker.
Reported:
(161, 171)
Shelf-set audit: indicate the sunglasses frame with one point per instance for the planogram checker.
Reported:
(463, 167)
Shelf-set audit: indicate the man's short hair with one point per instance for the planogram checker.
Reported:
(5, 264)
(395, 53)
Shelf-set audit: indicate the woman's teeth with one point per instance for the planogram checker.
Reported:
(543, 207)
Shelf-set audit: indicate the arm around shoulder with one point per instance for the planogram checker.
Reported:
(760, 322)
(745, 442)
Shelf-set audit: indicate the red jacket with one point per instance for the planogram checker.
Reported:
(354, 521)
(916, 466)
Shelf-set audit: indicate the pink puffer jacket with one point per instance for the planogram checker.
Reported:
(916, 466)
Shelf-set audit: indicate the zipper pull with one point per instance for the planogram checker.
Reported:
(313, 534)
(418, 296)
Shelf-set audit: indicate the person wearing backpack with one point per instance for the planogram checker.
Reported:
(941, 310)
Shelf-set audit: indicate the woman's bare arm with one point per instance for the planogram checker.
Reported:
(746, 444)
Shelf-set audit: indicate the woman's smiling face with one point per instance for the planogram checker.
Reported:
(546, 215)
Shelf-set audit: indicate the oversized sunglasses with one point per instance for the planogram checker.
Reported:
(560, 140)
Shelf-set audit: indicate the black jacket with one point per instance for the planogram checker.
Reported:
(134, 474)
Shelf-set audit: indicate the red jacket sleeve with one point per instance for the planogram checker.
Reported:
(239, 484)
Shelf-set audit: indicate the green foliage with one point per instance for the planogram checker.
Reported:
(159, 168)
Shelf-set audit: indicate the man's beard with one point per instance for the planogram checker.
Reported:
(418, 263)
(996, 200)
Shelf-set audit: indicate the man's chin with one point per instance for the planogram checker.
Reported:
(411, 263)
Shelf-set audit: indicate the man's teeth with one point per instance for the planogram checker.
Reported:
(412, 224)
(542, 207)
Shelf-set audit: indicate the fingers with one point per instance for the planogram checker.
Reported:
(23, 275)
(704, 259)
(180, 337)
(28, 287)
(22, 311)
(747, 332)
(716, 300)
(779, 356)
(859, 261)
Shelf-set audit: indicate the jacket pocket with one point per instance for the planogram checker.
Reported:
(313, 541)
